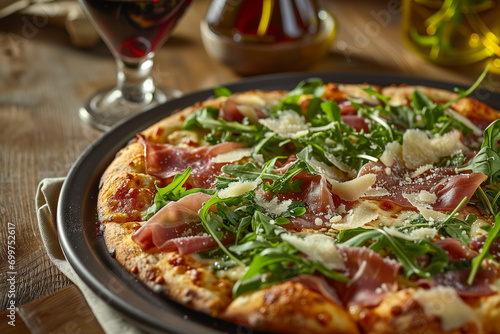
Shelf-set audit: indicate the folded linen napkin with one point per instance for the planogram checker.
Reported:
(46, 205)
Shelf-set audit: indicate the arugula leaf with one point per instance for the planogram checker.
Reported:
(311, 86)
(420, 100)
(172, 192)
(192, 120)
(476, 262)
(206, 118)
(277, 264)
(404, 250)
(214, 226)
(464, 93)
(454, 160)
(492, 135)
(222, 91)
(455, 228)
(379, 96)
(487, 160)
(274, 182)
(331, 110)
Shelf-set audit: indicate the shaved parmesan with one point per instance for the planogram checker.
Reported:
(444, 303)
(339, 164)
(357, 92)
(362, 214)
(330, 173)
(248, 112)
(250, 100)
(288, 125)
(392, 151)
(233, 156)
(274, 207)
(422, 198)
(422, 201)
(319, 248)
(424, 232)
(420, 170)
(377, 192)
(415, 235)
(420, 150)
(352, 190)
(398, 234)
(237, 189)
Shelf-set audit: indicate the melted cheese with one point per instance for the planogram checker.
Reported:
(443, 302)
(319, 248)
(420, 150)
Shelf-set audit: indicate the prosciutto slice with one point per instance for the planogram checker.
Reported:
(371, 277)
(450, 188)
(494, 250)
(458, 279)
(356, 122)
(177, 227)
(314, 193)
(231, 113)
(165, 160)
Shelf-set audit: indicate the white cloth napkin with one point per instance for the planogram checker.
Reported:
(46, 204)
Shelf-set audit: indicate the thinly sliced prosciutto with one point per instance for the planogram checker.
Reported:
(356, 122)
(316, 196)
(177, 227)
(494, 250)
(371, 277)
(165, 160)
(450, 188)
(458, 279)
(231, 113)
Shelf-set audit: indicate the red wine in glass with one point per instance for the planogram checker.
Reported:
(135, 28)
(132, 30)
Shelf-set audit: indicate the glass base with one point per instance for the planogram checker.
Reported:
(107, 108)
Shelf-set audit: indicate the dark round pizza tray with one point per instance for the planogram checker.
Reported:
(80, 237)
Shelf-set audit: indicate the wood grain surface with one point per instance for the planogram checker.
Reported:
(44, 80)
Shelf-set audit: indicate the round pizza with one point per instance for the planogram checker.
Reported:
(329, 208)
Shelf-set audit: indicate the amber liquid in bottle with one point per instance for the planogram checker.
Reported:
(264, 21)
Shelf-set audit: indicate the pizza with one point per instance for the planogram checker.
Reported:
(328, 208)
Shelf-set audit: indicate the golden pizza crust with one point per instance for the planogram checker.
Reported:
(289, 307)
(181, 278)
(471, 108)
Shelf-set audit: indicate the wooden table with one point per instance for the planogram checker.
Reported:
(44, 80)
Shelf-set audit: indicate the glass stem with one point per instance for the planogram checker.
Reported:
(135, 81)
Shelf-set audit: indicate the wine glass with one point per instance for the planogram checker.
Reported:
(132, 30)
